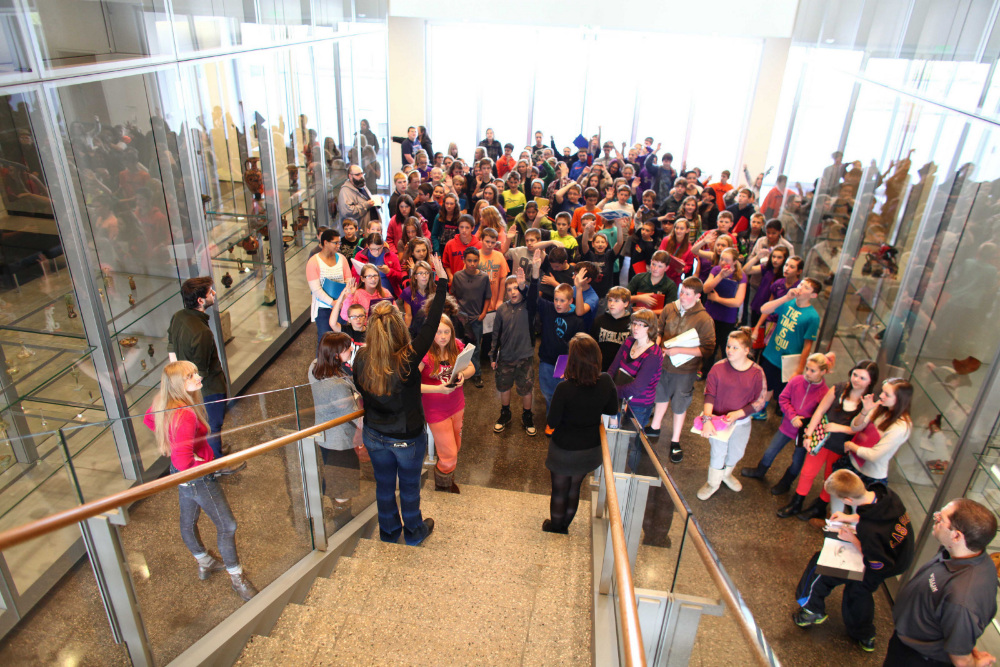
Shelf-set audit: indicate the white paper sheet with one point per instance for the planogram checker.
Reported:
(688, 338)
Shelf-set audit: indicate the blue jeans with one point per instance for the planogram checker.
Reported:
(215, 410)
(474, 334)
(546, 382)
(322, 324)
(641, 412)
(394, 459)
(778, 443)
(206, 494)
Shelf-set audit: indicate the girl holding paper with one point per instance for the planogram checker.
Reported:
(444, 404)
(734, 390)
(326, 265)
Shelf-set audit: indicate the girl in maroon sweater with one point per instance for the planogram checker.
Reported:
(178, 419)
(734, 390)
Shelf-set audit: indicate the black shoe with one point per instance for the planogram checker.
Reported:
(549, 528)
(429, 523)
(528, 422)
(478, 381)
(792, 508)
(867, 644)
(804, 618)
(755, 473)
(784, 485)
(503, 419)
(233, 470)
(653, 433)
(205, 571)
(815, 511)
(675, 452)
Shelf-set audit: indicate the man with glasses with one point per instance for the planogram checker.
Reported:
(943, 609)
(355, 202)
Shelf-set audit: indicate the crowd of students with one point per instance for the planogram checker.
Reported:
(637, 282)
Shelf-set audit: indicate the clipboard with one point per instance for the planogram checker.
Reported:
(658, 299)
(676, 264)
(462, 362)
(789, 364)
(560, 368)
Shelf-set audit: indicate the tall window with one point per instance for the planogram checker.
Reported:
(626, 85)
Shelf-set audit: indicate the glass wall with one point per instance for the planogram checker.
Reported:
(147, 143)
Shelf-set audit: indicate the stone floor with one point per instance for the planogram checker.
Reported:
(763, 555)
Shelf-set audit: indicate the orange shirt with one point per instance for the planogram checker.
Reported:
(576, 225)
(505, 164)
(720, 192)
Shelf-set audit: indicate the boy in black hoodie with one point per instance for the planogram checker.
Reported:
(884, 536)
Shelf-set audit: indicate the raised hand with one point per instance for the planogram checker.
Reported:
(438, 267)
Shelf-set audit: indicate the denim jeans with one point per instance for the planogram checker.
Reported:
(322, 324)
(394, 459)
(215, 409)
(546, 382)
(206, 494)
(778, 443)
(474, 334)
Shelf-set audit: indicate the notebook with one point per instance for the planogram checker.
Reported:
(560, 367)
(333, 288)
(723, 429)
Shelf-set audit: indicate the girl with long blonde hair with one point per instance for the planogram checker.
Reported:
(387, 375)
(180, 424)
(444, 402)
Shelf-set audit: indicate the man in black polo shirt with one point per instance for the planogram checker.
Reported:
(190, 339)
(943, 609)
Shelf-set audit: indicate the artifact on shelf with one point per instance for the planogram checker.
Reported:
(150, 351)
(75, 374)
(108, 277)
(142, 362)
(50, 319)
(129, 341)
(70, 312)
(293, 177)
(12, 370)
(227, 280)
(270, 293)
(24, 352)
(131, 283)
(205, 199)
(131, 300)
(239, 265)
(303, 220)
(231, 248)
(253, 177)
(250, 245)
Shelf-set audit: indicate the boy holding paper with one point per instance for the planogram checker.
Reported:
(676, 385)
(882, 534)
(794, 335)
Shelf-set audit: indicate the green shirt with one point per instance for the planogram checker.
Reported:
(190, 339)
(642, 283)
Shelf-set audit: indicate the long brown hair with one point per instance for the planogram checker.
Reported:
(443, 213)
(387, 345)
(450, 352)
(490, 217)
(901, 410)
(584, 364)
(685, 245)
(173, 395)
(328, 363)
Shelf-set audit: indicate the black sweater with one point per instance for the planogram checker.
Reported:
(575, 412)
(885, 533)
(400, 413)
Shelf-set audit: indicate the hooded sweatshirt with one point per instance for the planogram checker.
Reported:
(799, 399)
(885, 533)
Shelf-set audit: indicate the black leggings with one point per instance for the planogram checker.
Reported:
(722, 331)
(565, 499)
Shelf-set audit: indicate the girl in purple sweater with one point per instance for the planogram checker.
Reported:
(641, 358)
(798, 401)
(734, 390)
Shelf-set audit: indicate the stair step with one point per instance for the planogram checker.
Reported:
(347, 588)
(307, 626)
(265, 651)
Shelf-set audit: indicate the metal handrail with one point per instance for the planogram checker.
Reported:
(635, 653)
(29, 531)
(762, 652)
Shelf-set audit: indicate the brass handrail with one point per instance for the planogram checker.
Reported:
(635, 653)
(701, 546)
(21, 534)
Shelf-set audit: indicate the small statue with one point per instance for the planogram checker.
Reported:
(131, 300)
(150, 351)
(12, 370)
(270, 293)
(284, 222)
(131, 283)
(70, 313)
(231, 248)
(293, 177)
(142, 362)
(227, 280)
(50, 319)
(109, 279)
(239, 265)
(75, 374)
(24, 352)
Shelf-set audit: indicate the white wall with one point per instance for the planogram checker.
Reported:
(406, 81)
(765, 103)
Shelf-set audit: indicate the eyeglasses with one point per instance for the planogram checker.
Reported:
(371, 275)
(422, 273)
(356, 317)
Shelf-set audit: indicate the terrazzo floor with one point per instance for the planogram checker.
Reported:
(763, 554)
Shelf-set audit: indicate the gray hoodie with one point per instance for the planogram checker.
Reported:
(512, 332)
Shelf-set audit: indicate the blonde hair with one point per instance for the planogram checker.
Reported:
(387, 345)
(820, 360)
(490, 219)
(173, 395)
(737, 269)
(844, 484)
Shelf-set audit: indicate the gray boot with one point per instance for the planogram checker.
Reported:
(445, 481)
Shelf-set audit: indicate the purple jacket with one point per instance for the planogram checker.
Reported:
(777, 290)
(646, 370)
(799, 399)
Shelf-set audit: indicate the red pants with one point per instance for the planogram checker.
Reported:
(812, 465)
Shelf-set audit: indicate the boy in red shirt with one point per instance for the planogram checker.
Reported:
(454, 250)
(506, 162)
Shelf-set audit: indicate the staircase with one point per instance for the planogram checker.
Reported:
(487, 587)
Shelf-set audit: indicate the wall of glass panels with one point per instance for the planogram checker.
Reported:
(595, 83)
(141, 144)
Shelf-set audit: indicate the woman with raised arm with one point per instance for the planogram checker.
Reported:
(178, 419)
(387, 374)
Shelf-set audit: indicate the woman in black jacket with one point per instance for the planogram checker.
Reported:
(574, 422)
(387, 374)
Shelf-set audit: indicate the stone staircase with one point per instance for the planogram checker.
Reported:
(488, 587)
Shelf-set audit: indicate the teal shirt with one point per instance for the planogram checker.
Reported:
(795, 326)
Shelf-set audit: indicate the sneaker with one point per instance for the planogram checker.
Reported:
(675, 452)
(804, 618)
(205, 571)
(760, 416)
(503, 419)
(528, 422)
(653, 433)
(867, 644)
(478, 381)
